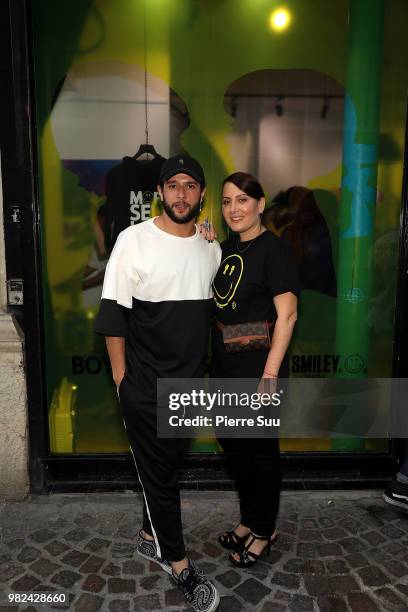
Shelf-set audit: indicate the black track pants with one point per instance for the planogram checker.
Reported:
(157, 462)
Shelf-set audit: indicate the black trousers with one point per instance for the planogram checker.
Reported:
(255, 467)
(157, 462)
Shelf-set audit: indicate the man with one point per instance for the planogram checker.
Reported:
(155, 311)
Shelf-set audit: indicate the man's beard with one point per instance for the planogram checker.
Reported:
(189, 216)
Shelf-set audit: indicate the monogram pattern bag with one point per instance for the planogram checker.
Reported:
(253, 336)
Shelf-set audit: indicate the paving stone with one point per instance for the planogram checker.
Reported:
(122, 550)
(5, 558)
(334, 533)
(392, 532)
(308, 550)
(310, 535)
(325, 522)
(127, 532)
(353, 545)
(25, 583)
(285, 542)
(403, 588)
(88, 603)
(283, 596)
(343, 584)
(42, 535)
(272, 606)
(75, 558)
(252, 591)
(147, 602)
(329, 603)
(300, 603)
(92, 565)
(43, 567)
(119, 605)
(194, 555)
(66, 578)
(207, 568)
(94, 583)
(304, 566)
(337, 566)
(211, 550)
(135, 568)
(372, 576)
(317, 585)
(56, 548)
(174, 597)
(272, 558)
(391, 600)
(229, 579)
(309, 524)
(394, 548)
(287, 581)
(77, 535)
(121, 585)
(287, 527)
(28, 554)
(149, 582)
(329, 550)
(395, 567)
(11, 571)
(361, 602)
(357, 560)
(351, 525)
(111, 570)
(373, 537)
(228, 603)
(15, 544)
(97, 544)
(85, 521)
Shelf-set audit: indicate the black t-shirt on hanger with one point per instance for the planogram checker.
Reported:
(130, 189)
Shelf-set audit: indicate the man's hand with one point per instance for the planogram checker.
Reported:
(207, 230)
(116, 350)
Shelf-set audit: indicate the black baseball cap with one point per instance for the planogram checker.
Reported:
(182, 164)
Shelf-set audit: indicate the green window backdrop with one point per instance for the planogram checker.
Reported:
(308, 95)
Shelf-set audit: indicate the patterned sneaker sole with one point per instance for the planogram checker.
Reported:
(216, 602)
(164, 566)
(395, 502)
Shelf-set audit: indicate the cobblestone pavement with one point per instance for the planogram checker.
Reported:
(336, 551)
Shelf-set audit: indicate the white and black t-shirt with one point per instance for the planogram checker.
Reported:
(157, 294)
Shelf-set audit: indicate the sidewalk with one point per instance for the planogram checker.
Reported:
(340, 551)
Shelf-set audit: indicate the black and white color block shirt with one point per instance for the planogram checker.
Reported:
(157, 294)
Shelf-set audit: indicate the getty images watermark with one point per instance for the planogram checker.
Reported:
(288, 408)
(219, 400)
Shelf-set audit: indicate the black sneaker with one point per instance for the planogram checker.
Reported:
(396, 494)
(148, 550)
(200, 593)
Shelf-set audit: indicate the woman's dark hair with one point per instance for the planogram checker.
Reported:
(247, 183)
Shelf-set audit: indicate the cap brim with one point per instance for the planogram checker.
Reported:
(182, 170)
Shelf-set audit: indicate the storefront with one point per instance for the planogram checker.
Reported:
(308, 95)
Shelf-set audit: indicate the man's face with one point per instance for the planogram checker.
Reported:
(181, 196)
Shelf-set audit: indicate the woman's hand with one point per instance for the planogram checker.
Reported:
(207, 230)
(268, 384)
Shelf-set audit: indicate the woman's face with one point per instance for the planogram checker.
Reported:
(240, 211)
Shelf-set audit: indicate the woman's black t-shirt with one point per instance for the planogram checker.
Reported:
(250, 275)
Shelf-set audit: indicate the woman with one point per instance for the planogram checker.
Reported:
(256, 282)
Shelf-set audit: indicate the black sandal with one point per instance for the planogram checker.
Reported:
(248, 558)
(232, 541)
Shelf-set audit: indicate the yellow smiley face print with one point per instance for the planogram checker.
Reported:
(227, 280)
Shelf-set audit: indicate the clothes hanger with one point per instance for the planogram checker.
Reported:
(146, 148)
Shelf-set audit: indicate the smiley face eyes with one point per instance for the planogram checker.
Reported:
(226, 268)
